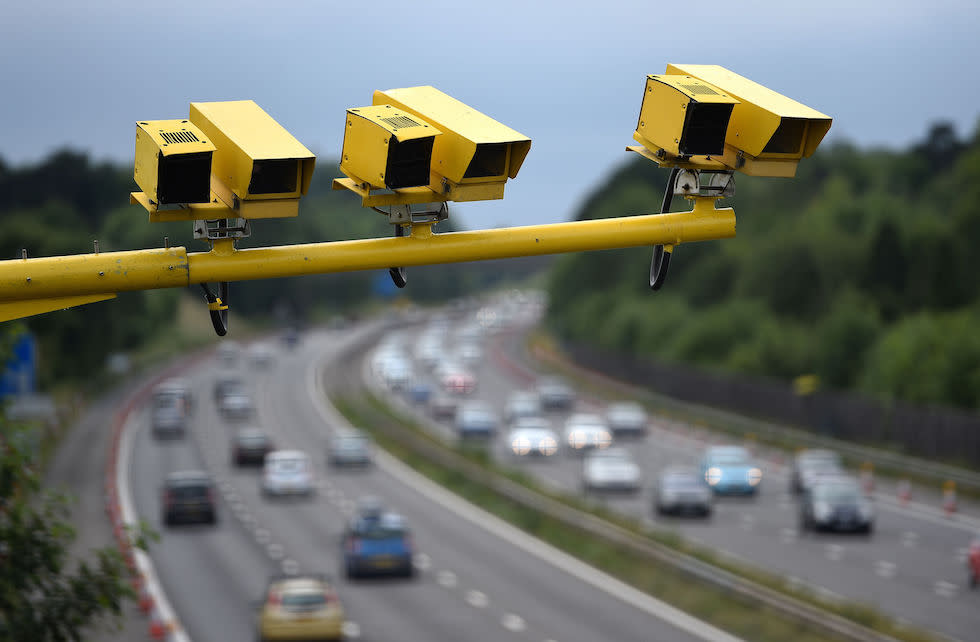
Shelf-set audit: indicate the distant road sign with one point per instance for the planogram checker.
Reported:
(19, 374)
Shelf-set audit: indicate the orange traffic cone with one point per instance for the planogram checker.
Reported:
(904, 491)
(949, 497)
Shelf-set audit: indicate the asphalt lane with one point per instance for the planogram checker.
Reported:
(912, 567)
(471, 584)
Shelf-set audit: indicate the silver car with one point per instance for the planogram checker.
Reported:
(627, 418)
(682, 491)
(287, 472)
(584, 432)
(532, 437)
(612, 469)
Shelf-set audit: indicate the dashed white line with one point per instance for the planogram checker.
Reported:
(885, 569)
(262, 536)
(748, 522)
(788, 535)
(943, 588)
(422, 561)
(275, 551)
(351, 629)
(910, 539)
(962, 554)
(834, 552)
(290, 566)
(513, 622)
(477, 599)
(447, 579)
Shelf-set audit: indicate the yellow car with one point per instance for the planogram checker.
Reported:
(301, 607)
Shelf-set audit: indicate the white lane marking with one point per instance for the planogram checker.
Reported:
(943, 588)
(263, 536)
(748, 522)
(275, 551)
(962, 554)
(247, 519)
(290, 566)
(834, 552)
(513, 622)
(477, 599)
(446, 579)
(910, 539)
(351, 629)
(516, 537)
(232, 497)
(788, 535)
(226, 487)
(885, 569)
(422, 562)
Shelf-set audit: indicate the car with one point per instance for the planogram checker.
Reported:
(419, 391)
(585, 432)
(287, 472)
(442, 405)
(225, 385)
(261, 356)
(612, 469)
(730, 470)
(837, 505)
(681, 490)
(812, 463)
(188, 496)
(457, 381)
(300, 607)
(349, 449)
(378, 542)
(174, 391)
(476, 420)
(236, 405)
(973, 562)
(167, 418)
(521, 404)
(555, 393)
(228, 351)
(397, 372)
(627, 418)
(290, 338)
(532, 437)
(250, 445)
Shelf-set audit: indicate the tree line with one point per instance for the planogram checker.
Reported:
(864, 269)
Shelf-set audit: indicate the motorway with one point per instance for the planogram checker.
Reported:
(477, 579)
(912, 567)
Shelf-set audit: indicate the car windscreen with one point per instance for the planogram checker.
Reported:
(296, 465)
(837, 494)
(189, 491)
(306, 601)
(681, 482)
(729, 459)
(379, 529)
(253, 440)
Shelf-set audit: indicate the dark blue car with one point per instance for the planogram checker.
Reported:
(378, 544)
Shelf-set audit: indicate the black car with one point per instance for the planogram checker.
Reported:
(188, 496)
(250, 446)
(837, 505)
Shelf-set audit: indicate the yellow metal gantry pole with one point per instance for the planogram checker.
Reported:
(32, 286)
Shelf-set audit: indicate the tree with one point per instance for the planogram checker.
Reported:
(42, 598)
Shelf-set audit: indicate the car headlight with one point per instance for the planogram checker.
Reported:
(821, 510)
(576, 439)
(603, 439)
(547, 446)
(753, 476)
(712, 475)
(520, 445)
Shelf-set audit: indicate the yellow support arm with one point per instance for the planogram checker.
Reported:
(98, 275)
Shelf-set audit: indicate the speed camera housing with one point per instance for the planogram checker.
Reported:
(173, 162)
(259, 169)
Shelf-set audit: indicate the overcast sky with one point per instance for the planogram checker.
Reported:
(569, 74)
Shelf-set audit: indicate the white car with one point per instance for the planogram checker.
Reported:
(532, 437)
(287, 472)
(584, 432)
(610, 469)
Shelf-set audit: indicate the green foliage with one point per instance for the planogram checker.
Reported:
(44, 595)
(860, 270)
